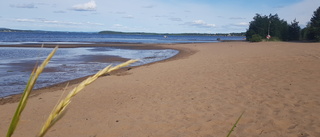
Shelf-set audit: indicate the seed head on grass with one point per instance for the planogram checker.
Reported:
(24, 98)
(60, 108)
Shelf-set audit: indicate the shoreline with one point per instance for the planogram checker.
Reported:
(200, 93)
(16, 97)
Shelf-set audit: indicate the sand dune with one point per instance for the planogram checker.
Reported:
(201, 92)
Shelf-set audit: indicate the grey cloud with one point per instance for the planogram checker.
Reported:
(27, 6)
(241, 24)
(56, 22)
(200, 24)
(128, 17)
(160, 16)
(237, 18)
(175, 19)
(60, 11)
(120, 12)
(148, 6)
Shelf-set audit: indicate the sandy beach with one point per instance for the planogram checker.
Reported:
(201, 92)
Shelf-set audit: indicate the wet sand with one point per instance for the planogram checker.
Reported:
(200, 92)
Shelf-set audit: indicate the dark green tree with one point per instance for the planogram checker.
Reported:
(294, 31)
(262, 25)
(278, 27)
(305, 32)
(258, 26)
(313, 31)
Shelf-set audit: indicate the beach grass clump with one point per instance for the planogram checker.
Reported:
(60, 108)
(255, 38)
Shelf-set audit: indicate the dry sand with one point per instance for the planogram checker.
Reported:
(199, 93)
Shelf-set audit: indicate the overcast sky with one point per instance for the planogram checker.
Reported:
(162, 16)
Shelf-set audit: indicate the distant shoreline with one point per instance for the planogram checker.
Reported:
(130, 33)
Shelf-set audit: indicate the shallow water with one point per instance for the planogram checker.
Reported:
(16, 64)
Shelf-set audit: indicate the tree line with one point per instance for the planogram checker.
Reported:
(279, 30)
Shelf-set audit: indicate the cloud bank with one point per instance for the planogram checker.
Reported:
(201, 23)
(89, 6)
(27, 6)
(42, 20)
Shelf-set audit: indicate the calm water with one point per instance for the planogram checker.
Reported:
(16, 64)
(9, 38)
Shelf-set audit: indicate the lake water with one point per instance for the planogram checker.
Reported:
(10, 38)
(17, 63)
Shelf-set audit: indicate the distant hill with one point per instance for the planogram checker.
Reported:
(17, 30)
(13, 30)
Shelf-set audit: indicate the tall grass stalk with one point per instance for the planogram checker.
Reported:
(59, 109)
(235, 125)
(24, 98)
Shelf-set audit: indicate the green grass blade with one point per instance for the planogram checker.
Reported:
(16, 116)
(235, 125)
(23, 101)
